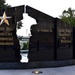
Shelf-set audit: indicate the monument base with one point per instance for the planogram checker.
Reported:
(9, 55)
(31, 65)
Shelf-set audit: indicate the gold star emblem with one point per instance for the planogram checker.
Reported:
(4, 19)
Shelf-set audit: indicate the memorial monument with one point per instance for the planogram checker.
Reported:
(64, 40)
(9, 43)
(51, 40)
(42, 39)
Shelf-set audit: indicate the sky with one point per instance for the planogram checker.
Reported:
(51, 7)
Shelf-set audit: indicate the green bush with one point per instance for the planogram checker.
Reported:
(25, 46)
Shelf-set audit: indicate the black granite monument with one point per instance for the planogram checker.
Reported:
(42, 39)
(64, 40)
(9, 43)
(52, 39)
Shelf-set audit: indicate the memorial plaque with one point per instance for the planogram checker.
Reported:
(64, 40)
(52, 39)
(9, 43)
(42, 39)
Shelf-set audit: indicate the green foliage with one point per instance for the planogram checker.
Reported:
(19, 25)
(20, 38)
(2, 4)
(68, 16)
(25, 46)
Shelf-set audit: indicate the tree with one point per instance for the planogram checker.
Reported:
(25, 46)
(2, 4)
(68, 16)
(19, 25)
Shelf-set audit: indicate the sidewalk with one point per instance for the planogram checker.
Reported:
(69, 70)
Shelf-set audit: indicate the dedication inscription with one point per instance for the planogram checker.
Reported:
(42, 39)
(9, 43)
(52, 39)
(64, 40)
(64, 35)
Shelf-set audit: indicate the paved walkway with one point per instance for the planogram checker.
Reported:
(69, 70)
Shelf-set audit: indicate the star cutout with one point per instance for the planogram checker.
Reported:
(4, 19)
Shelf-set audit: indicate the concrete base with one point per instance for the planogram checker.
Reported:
(31, 65)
